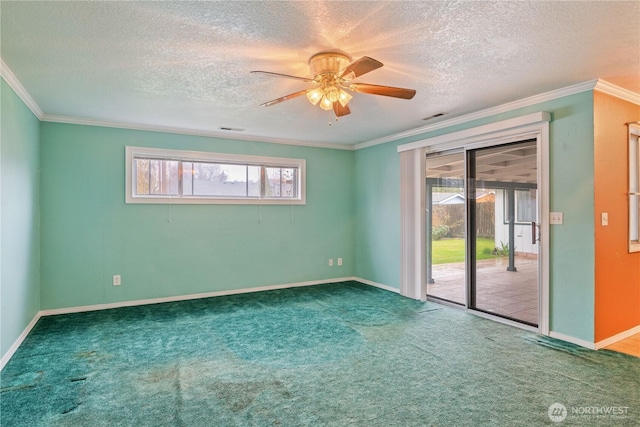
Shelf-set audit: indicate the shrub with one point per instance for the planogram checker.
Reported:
(503, 250)
(439, 232)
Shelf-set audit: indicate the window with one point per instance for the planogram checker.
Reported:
(634, 187)
(172, 176)
(526, 206)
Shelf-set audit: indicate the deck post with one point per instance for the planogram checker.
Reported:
(511, 212)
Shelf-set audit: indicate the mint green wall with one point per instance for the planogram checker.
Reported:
(377, 214)
(572, 252)
(571, 191)
(19, 217)
(89, 233)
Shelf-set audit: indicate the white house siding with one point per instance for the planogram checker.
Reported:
(522, 231)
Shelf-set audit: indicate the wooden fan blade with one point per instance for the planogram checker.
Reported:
(286, 76)
(340, 110)
(395, 92)
(283, 98)
(359, 67)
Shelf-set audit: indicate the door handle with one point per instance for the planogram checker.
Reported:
(534, 232)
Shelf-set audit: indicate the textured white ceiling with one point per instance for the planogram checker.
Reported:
(186, 64)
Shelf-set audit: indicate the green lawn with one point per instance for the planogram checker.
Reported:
(452, 250)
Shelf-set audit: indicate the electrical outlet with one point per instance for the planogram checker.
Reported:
(117, 281)
(330, 262)
(339, 261)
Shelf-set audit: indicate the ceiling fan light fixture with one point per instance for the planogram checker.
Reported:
(332, 94)
(332, 74)
(326, 103)
(344, 98)
(315, 95)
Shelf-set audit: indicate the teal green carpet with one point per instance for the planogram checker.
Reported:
(343, 354)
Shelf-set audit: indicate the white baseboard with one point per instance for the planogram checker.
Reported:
(94, 307)
(79, 309)
(618, 337)
(377, 285)
(7, 356)
(573, 340)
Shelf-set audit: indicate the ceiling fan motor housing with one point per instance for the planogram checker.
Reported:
(328, 62)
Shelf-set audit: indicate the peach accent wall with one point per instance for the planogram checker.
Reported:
(617, 272)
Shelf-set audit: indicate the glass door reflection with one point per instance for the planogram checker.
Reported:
(502, 234)
(445, 215)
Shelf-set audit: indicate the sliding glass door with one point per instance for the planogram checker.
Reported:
(482, 229)
(502, 217)
(445, 214)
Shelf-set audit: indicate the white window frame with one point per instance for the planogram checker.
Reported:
(517, 211)
(201, 156)
(634, 187)
(505, 206)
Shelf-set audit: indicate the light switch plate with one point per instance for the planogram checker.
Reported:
(605, 219)
(556, 218)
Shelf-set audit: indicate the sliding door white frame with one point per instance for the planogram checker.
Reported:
(413, 217)
(413, 188)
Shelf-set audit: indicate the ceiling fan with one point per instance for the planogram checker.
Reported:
(333, 73)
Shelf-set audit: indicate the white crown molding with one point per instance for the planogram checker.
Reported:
(185, 131)
(521, 103)
(15, 84)
(20, 90)
(617, 91)
(507, 128)
(599, 85)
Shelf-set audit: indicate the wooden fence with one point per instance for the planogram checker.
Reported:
(453, 217)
